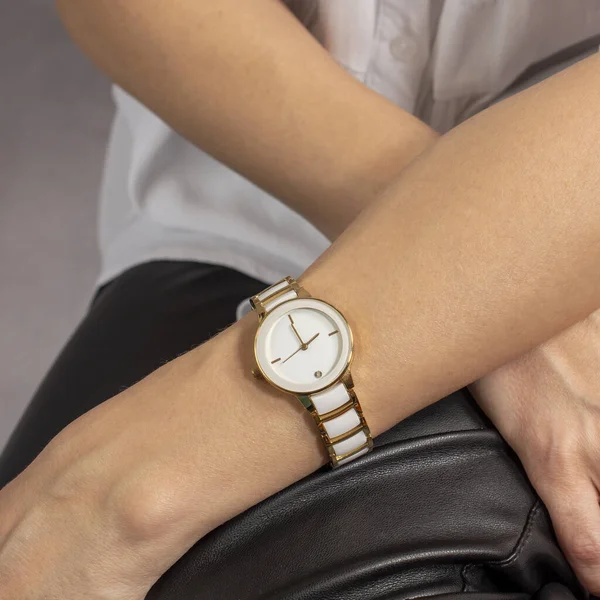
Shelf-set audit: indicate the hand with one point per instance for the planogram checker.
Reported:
(115, 498)
(546, 404)
(84, 517)
(125, 490)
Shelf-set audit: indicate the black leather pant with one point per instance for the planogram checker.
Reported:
(441, 508)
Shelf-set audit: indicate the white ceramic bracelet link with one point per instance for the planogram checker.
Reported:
(293, 326)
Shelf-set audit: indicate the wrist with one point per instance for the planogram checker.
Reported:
(255, 440)
(376, 371)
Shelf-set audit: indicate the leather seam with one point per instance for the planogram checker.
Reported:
(514, 554)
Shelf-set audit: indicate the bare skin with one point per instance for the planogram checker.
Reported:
(498, 253)
(546, 404)
(269, 101)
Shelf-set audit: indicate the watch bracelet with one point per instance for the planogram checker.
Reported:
(262, 304)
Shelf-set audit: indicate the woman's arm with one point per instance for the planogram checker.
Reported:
(248, 84)
(486, 246)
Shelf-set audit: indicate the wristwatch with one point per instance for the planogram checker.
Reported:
(303, 346)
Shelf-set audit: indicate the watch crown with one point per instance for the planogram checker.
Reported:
(257, 374)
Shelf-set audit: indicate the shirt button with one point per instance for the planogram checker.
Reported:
(403, 49)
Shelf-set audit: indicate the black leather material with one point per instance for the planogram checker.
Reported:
(441, 508)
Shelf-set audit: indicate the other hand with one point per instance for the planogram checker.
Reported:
(107, 506)
(546, 404)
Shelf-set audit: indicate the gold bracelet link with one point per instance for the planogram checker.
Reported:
(260, 301)
(262, 304)
(353, 403)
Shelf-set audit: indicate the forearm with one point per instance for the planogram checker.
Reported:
(486, 246)
(249, 85)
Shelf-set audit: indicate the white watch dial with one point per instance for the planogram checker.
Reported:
(303, 345)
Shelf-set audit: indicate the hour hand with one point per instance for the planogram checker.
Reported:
(312, 339)
(295, 330)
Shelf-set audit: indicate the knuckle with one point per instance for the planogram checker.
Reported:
(554, 474)
(585, 550)
(561, 458)
(71, 492)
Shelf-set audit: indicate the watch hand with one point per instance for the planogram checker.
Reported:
(295, 330)
(293, 353)
(312, 339)
(303, 347)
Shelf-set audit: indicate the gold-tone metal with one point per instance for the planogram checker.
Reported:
(258, 307)
(312, 339)
(275, 295)
(322, 430)
(336, 412)
(333, 461)
(257, 374)
(303, 344)
(346, 378)
(276, 360)
(300, 291)
(348, 434)
(359, 410)
(307, 403)
(369, 439)
(341, 457)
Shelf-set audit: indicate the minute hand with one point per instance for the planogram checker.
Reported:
(296, 331)
(293, 354)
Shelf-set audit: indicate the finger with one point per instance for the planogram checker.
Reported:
(575, 513)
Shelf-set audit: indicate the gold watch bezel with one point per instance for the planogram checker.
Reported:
(345, 371)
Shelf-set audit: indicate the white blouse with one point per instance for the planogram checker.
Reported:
(442, 60)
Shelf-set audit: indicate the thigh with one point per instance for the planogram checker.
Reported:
(142, 319)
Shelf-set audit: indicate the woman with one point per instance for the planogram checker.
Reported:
(471, 258)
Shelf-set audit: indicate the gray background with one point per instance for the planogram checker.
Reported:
(55, 112)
